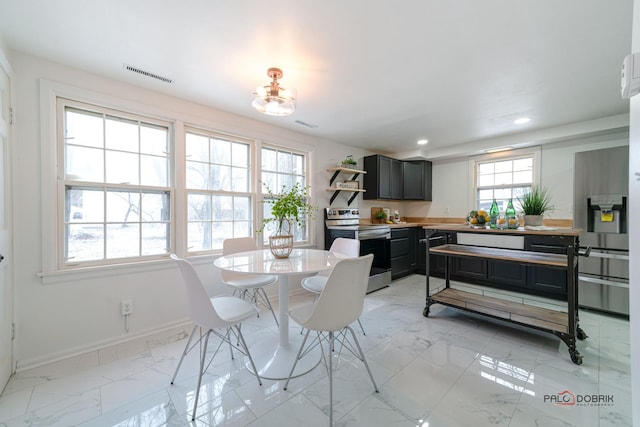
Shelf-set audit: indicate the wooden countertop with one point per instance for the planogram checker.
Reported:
(548, 231)
(524, 257)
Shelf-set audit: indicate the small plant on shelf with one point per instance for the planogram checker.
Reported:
(349, 162)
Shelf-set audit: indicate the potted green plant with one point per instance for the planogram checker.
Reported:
(349, 162)
(287, 208)
(534, 204)
(381, 216)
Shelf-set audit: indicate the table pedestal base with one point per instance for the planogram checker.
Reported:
(274, 361)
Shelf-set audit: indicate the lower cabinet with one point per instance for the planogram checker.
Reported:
(400, 248)
(469, 268)
(547, 280)
(507, 273)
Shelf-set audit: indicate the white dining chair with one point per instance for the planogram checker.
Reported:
(247, 285)
(347, 247)
(339, 305)
(219, 315)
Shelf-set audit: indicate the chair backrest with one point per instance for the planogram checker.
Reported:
(233, 246)
(342, 299)
(348, 247)
(344, 246)
(201, 310)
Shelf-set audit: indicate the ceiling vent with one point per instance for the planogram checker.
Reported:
(147, 73)
(309, 125)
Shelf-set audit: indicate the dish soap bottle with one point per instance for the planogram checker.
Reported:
(510, 216)
(494, 212)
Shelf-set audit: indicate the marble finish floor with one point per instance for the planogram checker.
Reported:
(451, 369)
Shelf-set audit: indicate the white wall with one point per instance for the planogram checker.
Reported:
(634, 230)
(70, 314)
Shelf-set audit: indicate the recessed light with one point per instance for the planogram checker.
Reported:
(423, 141)
(522, 120)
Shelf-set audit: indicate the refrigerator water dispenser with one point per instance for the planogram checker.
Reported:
(607, 214)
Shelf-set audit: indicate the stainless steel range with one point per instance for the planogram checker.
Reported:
(374, 239)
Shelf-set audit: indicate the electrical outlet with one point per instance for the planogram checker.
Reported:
(126, 307)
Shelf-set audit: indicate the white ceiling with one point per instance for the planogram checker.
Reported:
(378, 74)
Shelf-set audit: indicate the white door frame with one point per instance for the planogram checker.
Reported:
(6, 241)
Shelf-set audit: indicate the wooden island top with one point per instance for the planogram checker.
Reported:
(546, 231)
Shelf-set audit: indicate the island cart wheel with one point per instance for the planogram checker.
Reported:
(575, 356)
(425, 312)
(580, 334)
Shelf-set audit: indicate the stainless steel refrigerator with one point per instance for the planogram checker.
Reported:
(601, 183)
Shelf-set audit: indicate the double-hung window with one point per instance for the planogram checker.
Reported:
(503, 179)
(282, 169)
(116, 185)
(120, 200)
(219, 189)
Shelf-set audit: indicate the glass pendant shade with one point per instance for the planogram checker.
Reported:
(273, 99)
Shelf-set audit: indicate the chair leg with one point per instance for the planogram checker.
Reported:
(184, 353)
(364, 360)
(331, 343)
(260, 292)
(361, 327)
(203, 350)
(304, 340)
(229, 341)
(246, 349)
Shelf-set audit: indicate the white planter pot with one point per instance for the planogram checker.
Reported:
(534, 220)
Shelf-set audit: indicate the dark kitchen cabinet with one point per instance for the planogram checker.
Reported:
(400, 248)
(436, 262)
(416, 180)
(469, 268)
(383, 178)
(547, 280)
(507, 273)
(533, 279)
(392, 179)
(414, 243)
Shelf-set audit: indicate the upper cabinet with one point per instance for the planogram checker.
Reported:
(416, 180)
(392, 179)
(383, 179)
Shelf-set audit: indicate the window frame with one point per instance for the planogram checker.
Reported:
(50, 174)
(263, 195)
(251, 194)
(61, 103)
(533, 152)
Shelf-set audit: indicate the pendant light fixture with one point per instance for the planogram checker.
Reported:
(273, 99)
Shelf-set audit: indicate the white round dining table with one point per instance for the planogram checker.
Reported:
(275, 359)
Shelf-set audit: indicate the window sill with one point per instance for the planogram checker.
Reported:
(86, 273)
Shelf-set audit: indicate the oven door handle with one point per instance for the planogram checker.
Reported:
(369, 235)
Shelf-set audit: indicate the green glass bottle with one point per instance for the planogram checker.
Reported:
(510, 216)
(494, 213)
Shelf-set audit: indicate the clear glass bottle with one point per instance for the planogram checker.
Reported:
(494, 212)
(510, 215)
